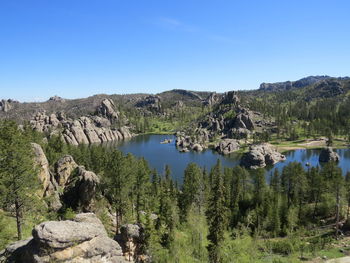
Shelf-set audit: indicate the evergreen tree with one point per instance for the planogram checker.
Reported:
(274, 208)
(347, 193)
(190, 190)
(216, 215)
(333, 175)
(141, 185)
(18, 177)
(117, 182)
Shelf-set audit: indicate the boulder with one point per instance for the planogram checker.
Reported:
(197, 147)
(83, 239)
(328, 155)
(227, 146)
(261, 155)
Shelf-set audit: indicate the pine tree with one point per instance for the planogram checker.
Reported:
(216, 215)
(141, 185)
(274, 212)
(117, 182)
(190, 190)
(336, 182)
(347, 193)
(259, 183)
(18, 177)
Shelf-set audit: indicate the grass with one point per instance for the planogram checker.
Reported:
(8, 233)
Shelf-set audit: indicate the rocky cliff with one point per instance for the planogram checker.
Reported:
(85, 129)
(68, 183)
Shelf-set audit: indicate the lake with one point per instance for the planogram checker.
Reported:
(158, 155)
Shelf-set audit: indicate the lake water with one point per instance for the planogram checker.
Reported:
(158, 155)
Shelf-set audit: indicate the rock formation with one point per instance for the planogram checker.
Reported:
(152, 103)
(106, 109)
(212, 99)
(131, 239)
(64, 168)
(227, 120)
(68, 184)
(261, 155)
(227, 146)
(196, 143)
(81, 240)
(49, 188)
(5, 105)
(86, 129)
(80, 190)
(42, 165)
(57, 98)
(328, 155)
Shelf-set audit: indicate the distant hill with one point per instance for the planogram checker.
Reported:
(287, 85)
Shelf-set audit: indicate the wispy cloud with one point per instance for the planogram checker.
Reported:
(175, 24)
(171, 23)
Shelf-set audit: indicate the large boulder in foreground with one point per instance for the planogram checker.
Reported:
(81, 240)
(261, 155)
(328, 155)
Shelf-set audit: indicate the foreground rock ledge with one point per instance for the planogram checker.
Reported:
(81, 240)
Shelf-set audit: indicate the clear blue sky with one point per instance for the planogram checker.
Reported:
(77, 48)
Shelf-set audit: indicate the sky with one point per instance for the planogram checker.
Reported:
(78, 48)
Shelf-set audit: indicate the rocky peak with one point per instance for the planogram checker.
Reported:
(5, 105)
(212, 99)
(107, 110)
(57, 98)
(230, 97)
